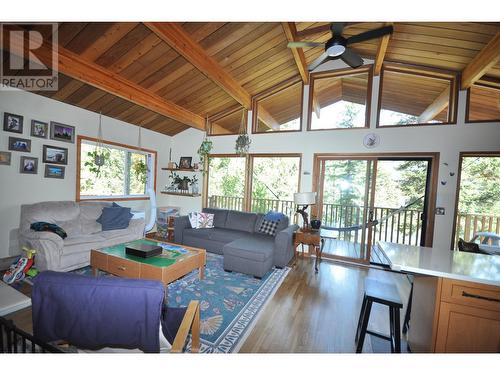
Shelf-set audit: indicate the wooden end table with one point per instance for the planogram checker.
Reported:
(167, 267)
(311, 238)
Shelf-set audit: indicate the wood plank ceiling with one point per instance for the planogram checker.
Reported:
(254, 54)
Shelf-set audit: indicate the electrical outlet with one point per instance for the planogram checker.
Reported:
(440, 211)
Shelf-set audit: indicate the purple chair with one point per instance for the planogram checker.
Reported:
(109, 312)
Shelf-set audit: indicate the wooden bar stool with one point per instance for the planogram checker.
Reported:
(385, 294)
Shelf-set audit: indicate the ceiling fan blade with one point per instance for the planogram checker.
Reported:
(337, 28)
(320, 60)
(371, 34)
(304, 44)
(351, 58)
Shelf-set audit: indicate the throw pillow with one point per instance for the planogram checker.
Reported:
(41, 226)
(193, 219)
(274, 216)
(113, 218)
(268, 227)
(205, 220)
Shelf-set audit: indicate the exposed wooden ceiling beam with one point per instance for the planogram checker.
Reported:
(482, 62)
(175, 36)
(381, 50)
(95, 75)
(290, 31)
(436, 107)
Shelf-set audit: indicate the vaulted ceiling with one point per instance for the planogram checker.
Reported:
(189, 71)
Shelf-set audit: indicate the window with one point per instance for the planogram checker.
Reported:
(414, 96)
(126, 173)
(275, 178)
(228, 122)
(340, 99)
(483, 102)
(279, 109)
(226, 182)
(477, 215)
(272, 180)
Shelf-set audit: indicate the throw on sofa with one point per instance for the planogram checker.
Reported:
(236, 236)
(78, 219)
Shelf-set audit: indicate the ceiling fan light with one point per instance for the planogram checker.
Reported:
(335, 50)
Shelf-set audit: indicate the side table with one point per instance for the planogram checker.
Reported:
(311, 238)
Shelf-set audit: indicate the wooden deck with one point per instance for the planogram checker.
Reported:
(351, 250)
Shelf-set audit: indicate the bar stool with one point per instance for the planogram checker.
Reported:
(385, 294)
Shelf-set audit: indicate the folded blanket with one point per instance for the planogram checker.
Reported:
(42, 226)
(96, 312)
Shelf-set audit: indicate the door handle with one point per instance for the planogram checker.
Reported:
(470, 295)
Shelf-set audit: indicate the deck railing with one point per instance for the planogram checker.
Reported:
(402, 227)
(469, 224)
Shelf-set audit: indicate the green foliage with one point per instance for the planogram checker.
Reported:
(348, 116)
(480, 186)
(91, 157)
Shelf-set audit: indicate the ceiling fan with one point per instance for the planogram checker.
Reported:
(337, 46)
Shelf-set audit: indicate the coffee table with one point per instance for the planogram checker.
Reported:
(175, 261)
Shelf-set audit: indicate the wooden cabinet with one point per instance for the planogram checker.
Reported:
(454, 316)
(468, 320)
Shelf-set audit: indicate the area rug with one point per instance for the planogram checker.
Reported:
(229, 302)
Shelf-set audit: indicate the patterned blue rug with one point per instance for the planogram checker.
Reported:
(229, 302)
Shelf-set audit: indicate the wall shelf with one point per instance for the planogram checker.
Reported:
(180, 194)
(181, 169)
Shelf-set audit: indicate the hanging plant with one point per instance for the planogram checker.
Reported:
(100, 154)
(205, 147)
(243, 141)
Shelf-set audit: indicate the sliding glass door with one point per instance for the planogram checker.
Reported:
(365, 199)
(345, 206)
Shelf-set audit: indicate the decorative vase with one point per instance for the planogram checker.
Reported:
(315, 224)
(183, 185)
(195, 189)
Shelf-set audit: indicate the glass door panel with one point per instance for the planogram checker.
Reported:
(345, 196)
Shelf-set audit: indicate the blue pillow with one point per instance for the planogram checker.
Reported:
(274, 216)
(115, 217)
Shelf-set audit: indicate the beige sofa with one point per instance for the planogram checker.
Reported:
(78, 219)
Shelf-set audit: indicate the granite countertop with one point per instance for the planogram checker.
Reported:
(458, 265)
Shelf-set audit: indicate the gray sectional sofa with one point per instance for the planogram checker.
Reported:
(236, 236)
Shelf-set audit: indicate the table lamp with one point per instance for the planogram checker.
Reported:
(304, 200)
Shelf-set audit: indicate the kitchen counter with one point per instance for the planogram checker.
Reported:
(455, 300)
(458, 265)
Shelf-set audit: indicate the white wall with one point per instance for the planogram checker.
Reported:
(16, 188)
(449, 140)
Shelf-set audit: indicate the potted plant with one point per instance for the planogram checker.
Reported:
(182, 183)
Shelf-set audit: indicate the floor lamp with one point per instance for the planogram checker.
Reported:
(303, 200)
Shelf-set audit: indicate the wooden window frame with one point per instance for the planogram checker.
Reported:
(483, 82)
(276, 89)
(435, 156)
(423, 71)
(248, 183)
(79, 140)
(221, 115)
(341, 73)
(461, 156)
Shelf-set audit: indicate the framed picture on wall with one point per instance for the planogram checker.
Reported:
(185, 162)
(28, 165)
(19, 144)
(12, 123)
(54, 171)
(62, 132)
(55, 155)
(5, 157)
(39, 129)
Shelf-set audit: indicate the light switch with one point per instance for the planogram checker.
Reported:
(440, 211)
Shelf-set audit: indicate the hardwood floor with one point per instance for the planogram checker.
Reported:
(310, 313)
(318, 313)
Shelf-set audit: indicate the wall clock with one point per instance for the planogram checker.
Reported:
(371, 140)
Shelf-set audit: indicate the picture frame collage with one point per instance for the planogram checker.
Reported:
(54, 157)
